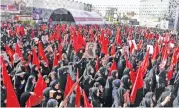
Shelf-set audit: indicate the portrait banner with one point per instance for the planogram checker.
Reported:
(90, 51)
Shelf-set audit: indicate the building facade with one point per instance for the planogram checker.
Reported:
(154, 9)
(122, 9)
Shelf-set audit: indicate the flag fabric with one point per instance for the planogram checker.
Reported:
(11, 99)
(38, 90)
(77, 44)
(59, 51)
(138, 84)
(69, 85)
(78, 96)
(175, 57)
(41, 52)
(132, 48)
(139, 81)
(43, 27)
(10, 52)
(55, 60)
(22, 31)
(132, 76)
(164, 58)
(86, 101)
(118, 38)
(113, 50)
(139, 46)
(113, 67)
(18, 51)
(35, 59)
(101, 37)
(170, 73)
(81, 40)
(104, 48)
(128, 64)
(18, 30)
(156, 51)
(97, 65)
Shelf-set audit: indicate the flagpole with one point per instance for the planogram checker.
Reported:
(71, 90)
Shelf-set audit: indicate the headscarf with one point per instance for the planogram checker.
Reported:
(53, 83)
(52, 103)
(29, 85)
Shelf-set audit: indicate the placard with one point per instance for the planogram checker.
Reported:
(90, 50)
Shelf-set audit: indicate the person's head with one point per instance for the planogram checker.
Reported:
(47, 80)
(116, 83)
(94, 92)
(52, 75)
(115, 74)
(45, 64)
(126, 82)
(52, 103)
(54, 85)
(46, 92)
(90, 46)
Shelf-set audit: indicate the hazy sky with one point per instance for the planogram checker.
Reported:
(110, 2)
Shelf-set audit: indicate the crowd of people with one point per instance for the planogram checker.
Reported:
(45, 66)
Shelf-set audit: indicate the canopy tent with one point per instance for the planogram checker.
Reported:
(76, 16)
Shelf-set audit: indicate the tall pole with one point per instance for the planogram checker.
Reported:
(176, 19)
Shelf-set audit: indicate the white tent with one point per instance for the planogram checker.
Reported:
(78, 16)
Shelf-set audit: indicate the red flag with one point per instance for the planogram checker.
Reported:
(78, 43)
(69, 85)
(97, 65)
(38, 90)
(137, 85)
(139, 82)
(150, 36)
(59, 51)
(104, 48)
(164, 58)
(22, 31)
(43, 27)
(128, 64)
(78, 96)
(145, 62)
(18, 51)
(86, 101)
(113, 67)
(132, 48)
(55, 61)
(113, 49)
(139, 46)
(156, 51)
(101, 37)
(35, 59)
(11, 99)
(118, 38)
(41, 52)
(18, 30)
(132, 76)
(174, 57)
(56, 36)
(81, 40)
(170, 73)
(10, 52)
